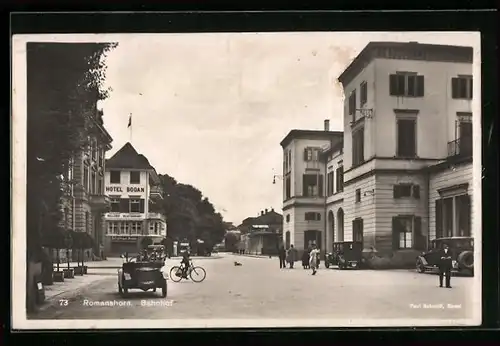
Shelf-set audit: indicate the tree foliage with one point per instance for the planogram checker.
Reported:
(65, 81)
(190, 215)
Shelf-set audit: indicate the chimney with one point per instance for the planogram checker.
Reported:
(262, 212)
(272, 209)
(327, 125)
(265, 211)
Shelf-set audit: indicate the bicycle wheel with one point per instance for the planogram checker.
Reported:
(175, 274)
(198, 274)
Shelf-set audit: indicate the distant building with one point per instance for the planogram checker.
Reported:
(400, 174)
(261, 235)
(133, 187)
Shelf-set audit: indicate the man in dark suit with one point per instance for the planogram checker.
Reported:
(445, 265)
(282, 256)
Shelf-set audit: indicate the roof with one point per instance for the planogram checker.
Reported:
(128, 157)
(372, 50)
(269, 218)
(310, 134)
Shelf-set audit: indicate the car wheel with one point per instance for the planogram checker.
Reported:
(466, 260)
(164, 289)
(120, 291)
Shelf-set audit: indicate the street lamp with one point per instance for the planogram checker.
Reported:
(277, 176)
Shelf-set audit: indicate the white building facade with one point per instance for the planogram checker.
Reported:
(133, 188)
(403, 173)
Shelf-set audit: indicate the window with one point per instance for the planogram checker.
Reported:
(136, 205)
(115, 204)
(329, 183)
(340, 179)
(312, 185)
(288, 218)
(358, 195)
(288, 187)
(136, 228)
(95, 150)
(352, 105)
(357, 230)
(311, 154)
(406, 190)
(124, 228)
(448, 208)
(363, 97)
(135, 177)
(461, 87)
(407, 84)
(114, 177)
(465, 145)
(86, 177)
(407, 232)
(358, 146)
(312, 216)
(93, 181)
(113, 228)
(407, 139)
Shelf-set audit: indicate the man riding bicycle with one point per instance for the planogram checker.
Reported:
(185, 263)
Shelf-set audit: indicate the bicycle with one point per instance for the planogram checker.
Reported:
(176, 273)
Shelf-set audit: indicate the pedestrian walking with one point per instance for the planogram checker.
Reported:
(305, 259)
(445, 265)
(282, 257)
(291, 256)
(313, 259)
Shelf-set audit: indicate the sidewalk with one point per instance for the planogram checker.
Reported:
(111, 262)
(248, 255)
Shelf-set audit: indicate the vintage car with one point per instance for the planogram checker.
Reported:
(142, 274)
(346, 254)
(461, 250)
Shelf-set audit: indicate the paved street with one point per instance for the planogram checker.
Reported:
(259, 289)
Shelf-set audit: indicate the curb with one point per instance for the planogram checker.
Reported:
(254, 256)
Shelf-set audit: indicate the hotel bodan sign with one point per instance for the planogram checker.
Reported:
(127, 189)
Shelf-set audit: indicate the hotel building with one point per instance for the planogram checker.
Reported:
(400, 174)
(135, 194)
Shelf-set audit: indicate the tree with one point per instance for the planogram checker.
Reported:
(64, 83)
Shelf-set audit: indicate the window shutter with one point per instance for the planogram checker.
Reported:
(416, 191)
(419, 243)
(305, 154)
(439, 218)
(395, 233)
(124, 205)
(466, 200)
(471, 84)
(141, 206)
(396, 192)
(320, 185)
(393, 84)
(420, 86)
(360, 230)
(304, 186)
(454, 88)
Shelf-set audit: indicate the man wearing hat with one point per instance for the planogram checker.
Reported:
(445, 265)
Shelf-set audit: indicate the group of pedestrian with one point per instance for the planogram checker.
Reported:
(287, 257)
(310, 258)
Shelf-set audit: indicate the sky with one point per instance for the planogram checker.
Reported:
(211, 109)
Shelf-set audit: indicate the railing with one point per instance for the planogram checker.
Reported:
(156, 216)
(156, 191)
(461, 147)
(312, 165)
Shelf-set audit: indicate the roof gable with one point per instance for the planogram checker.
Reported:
(128, 157)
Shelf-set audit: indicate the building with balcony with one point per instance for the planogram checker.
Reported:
(400, 174)
(84, 202)
(133, 188)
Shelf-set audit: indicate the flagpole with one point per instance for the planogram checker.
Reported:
(130, 127)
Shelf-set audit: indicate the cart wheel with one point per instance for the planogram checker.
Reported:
(164, 289)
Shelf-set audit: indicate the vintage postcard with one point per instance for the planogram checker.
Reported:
(320, 179)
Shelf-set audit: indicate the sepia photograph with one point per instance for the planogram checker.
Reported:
(245, 180)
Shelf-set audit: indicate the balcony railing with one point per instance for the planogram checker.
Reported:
(461, 147)
(313, 165)
(156, 216)
(156, 192)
